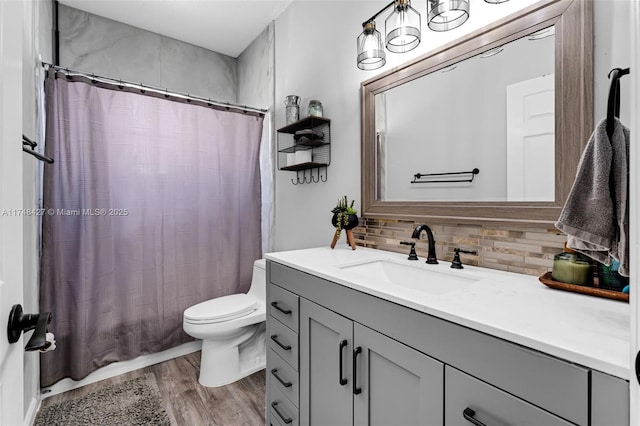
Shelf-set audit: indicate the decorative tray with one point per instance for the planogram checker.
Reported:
(591, 291)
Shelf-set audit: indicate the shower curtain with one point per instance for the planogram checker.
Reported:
(151, 206)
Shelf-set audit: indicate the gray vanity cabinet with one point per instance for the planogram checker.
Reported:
(350, 374)
(354, 358)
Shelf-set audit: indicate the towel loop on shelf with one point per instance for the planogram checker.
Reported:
(613, 102)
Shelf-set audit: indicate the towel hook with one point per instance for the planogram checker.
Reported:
(613, 102)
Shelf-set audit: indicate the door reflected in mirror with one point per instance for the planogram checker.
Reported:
(494, 112)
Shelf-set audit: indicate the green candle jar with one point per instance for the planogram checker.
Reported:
(572, 268)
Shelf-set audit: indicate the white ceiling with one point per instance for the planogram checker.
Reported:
(224, 26)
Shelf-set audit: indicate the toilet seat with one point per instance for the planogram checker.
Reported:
(221, 309)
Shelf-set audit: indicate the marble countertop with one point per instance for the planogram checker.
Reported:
(586, 330)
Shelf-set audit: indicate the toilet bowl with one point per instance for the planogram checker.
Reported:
(232, 329)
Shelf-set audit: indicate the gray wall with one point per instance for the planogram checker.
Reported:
(255, 67)
(94, 44)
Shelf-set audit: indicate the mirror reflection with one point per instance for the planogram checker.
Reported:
(493, 112)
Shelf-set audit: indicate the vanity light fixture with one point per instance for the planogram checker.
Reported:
(371, 54)
(445, 15)
(402, 27)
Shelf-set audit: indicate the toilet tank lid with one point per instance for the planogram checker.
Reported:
(231, 306)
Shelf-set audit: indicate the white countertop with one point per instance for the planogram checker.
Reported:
(586, 330)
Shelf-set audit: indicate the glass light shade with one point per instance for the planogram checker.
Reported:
(445, 15)
(371, 54)
(402, 27)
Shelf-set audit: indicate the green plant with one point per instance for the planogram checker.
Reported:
(342, 210)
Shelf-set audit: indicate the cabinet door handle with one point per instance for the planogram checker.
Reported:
(343, 344)
(356, 389)
(469, 414)
(274, 337)
(284, 311)
(285, 384)
(274, 405)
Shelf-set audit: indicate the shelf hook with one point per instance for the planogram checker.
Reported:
(325, 174)
(315, 180)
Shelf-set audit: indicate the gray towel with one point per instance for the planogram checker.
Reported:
(595, 216)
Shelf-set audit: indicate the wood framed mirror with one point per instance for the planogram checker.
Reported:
(572, 21)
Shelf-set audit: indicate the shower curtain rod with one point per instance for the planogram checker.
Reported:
(142, 87)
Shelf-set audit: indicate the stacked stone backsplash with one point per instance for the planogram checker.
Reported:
(522, 249)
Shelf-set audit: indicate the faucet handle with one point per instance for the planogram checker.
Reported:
(456, 263)
(412, 254)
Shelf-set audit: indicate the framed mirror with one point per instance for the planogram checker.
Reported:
(489, 127)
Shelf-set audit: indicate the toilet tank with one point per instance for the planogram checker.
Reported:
(259, 280)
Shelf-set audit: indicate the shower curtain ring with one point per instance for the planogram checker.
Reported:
(188, 98)
(93, 79)
(142, 88)
(166, 94)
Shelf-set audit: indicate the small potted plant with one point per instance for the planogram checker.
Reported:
(344, 217)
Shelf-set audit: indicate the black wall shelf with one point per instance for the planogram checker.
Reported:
(320, 147)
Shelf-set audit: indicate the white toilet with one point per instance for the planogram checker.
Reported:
(232, 329)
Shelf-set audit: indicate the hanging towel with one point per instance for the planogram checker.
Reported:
(595, 216)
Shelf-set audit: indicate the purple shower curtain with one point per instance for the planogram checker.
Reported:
(151, 206)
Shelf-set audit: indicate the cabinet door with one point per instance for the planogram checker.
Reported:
(395, 384)
(325, 346)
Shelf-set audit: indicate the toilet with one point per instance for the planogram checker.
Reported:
(232, 329)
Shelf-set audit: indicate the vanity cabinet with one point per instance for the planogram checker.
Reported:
(364, 360)
(362, 376)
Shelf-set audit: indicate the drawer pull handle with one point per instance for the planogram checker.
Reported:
(274, 337)
(469, 414)
(285, 384)
(343, 344)
(284, 311)
(274, 405)
(356, 390)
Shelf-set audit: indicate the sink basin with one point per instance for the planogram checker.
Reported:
(412, 277)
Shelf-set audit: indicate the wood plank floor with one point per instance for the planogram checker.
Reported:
(187, 402)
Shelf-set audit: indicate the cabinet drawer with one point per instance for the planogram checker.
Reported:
(284, 342)
(283, 377)
(281, 410)
(283, 305)
(489, 405)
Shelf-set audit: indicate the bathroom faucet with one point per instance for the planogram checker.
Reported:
(431, 254)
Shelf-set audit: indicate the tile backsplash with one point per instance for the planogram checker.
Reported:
(523, 249)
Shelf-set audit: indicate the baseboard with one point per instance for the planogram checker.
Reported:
(117, 368)
(34, 406)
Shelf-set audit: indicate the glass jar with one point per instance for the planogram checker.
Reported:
(292, 109)
(572, 268)
(315, 108)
